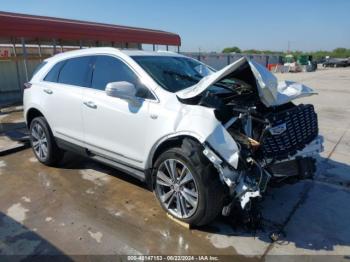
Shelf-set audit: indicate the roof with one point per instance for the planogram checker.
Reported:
(109, 50)
(32, 27)
(131, 52)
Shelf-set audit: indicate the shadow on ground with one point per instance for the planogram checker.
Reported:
(17, 242)
(310, 214)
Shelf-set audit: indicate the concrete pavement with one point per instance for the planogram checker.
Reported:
(87, 208)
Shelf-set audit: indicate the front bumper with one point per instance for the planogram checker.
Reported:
(244, 185)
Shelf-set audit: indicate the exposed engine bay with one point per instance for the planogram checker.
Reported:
(275, 142)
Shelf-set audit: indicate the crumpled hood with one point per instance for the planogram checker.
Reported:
(271, 92)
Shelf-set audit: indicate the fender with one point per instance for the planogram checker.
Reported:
(206, 130)
(165, 139)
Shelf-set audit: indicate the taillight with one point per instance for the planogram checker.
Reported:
(27, 85)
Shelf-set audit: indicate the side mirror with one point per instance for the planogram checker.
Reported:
(123, 90)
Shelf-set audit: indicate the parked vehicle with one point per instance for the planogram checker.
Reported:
(336, 62)
(201, 139)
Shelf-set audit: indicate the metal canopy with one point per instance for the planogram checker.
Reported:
(41, 28)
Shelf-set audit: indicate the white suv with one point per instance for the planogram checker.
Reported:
(202, 139)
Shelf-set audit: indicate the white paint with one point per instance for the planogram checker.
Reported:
(90, 191)
(33, 159)
(17, 212)
(118, 214)
(97, 177)
(48, 219)
(44, 179)
(26, 199)
(97, 236)
(114, 212)
(2, 163)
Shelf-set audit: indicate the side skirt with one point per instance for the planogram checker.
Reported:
(135, 172)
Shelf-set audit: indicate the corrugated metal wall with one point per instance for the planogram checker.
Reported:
(219, 61)
(12, 78)
(11, 86)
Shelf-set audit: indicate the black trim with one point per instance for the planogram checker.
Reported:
(65, 145)
(135, 172)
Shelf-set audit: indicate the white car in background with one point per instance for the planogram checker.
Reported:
(201, 139)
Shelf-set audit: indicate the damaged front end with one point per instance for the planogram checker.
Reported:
(275, 139)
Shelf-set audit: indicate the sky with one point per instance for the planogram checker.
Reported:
(211, 25)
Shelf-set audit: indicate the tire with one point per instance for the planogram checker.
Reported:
(40, 138)
(206, 184)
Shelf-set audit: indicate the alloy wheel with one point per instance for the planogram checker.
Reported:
(39, 141)
(176, 188)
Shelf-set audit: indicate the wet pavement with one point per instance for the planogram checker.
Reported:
(86, 208)
(12, 130)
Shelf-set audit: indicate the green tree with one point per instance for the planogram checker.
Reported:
(233, 49)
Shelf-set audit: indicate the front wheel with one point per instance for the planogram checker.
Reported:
(187, 186)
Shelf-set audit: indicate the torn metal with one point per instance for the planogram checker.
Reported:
(271, 92)
(262, 135)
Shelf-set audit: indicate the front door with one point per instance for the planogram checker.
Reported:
(115, 128)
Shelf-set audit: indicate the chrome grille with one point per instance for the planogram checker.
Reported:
(302, 128)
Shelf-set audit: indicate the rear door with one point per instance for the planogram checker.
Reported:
(63, 89)
(116, 128)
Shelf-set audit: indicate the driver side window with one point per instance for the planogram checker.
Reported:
(108, 69)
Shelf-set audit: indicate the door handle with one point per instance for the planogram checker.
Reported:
(90, 104)
(48, 91)
(154, 116)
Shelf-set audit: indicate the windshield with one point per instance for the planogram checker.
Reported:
(173, 73)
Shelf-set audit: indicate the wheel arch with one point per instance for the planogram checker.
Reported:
(31, 114)
(168, 142)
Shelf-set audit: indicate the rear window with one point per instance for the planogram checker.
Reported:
(38, 67)
(52, 75)
(76, 71)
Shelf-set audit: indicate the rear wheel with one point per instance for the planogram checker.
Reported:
(43, 143)
(186, 184)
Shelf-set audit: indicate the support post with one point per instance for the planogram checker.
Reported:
(154, 47)
(167, 47)
(178, 49)
(24, 49)
(39, 50)
(54, 46)
(80, 44)
(17, 68)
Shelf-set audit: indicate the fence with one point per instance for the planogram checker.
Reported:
(12, 78)
(13, 74)
(218, 60)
